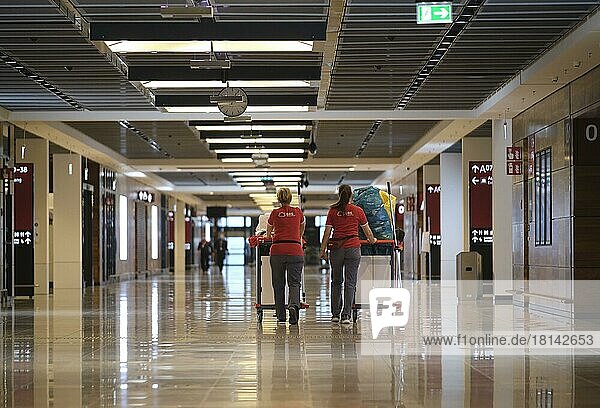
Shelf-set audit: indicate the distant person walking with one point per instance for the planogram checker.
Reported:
(344, 218)
(205, 251)
(220, 250)
(286, 227)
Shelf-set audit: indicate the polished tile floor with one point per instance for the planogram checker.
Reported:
(193, 341)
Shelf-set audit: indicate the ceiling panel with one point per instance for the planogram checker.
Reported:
(198, 178)
(503, 38)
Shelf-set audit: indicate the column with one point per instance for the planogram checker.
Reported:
(36, 152)
(451, 219)
(67, 349)
(67, 221)
(179, 253)
(502, 206)
(451, 211)
(41, 352)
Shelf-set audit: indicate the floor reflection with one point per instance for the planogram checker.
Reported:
(193, 341)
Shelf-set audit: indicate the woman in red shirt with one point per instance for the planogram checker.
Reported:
(286, 227)
(344, 218)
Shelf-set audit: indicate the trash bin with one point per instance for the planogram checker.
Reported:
(468, 274)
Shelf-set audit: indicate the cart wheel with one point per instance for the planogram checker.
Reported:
(259, 316)
(354, 315)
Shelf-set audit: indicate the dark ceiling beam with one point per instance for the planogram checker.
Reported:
(162, 100)
(206, 30)
(243, 72)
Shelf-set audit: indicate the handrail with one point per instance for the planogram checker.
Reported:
(539, 295)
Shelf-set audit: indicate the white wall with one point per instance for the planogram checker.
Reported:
(451, 213)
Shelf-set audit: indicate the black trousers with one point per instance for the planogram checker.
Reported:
(283, 266)
(220, 260)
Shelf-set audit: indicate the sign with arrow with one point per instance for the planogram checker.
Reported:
(481, 235)
(434, 13)
(23, 231)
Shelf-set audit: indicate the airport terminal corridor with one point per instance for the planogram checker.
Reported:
(299, 203)
(189, 342)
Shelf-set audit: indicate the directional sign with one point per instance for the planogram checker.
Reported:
(434, 13)
(23, 230)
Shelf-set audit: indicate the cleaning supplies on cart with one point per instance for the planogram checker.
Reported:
(376, 205)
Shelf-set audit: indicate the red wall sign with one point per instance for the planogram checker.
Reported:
(23, 237)
(24, 197)
(514, 161)
(480, 201)
(188, 234)
(432, 204)
(170, 230)
(531, 156)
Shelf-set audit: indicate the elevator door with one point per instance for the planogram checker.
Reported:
(141, 240)
(87, 251)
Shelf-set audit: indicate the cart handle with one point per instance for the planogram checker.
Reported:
(379, 241)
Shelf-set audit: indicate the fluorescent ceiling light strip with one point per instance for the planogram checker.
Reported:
(252, 151)
(255, 188)
(265, 173)
(293, 83)
(279, 179)
(250, 109)
(236, 160)
(252, 183)
(248, 179)
(265, 140)
(285, 159)
(204, 46)
(135, 174)
(242, 128)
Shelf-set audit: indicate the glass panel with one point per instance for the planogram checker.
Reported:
(235, 222)
(548, 197)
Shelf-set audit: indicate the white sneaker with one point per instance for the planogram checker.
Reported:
(346, 321)
(335, 319)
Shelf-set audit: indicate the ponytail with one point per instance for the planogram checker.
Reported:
(344, 195)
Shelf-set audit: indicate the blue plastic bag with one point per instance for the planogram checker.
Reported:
(371, 201)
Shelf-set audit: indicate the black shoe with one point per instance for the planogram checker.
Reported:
(293, 315)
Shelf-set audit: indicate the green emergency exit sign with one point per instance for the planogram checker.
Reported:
(434, 13)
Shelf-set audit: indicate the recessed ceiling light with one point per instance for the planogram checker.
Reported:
(237, 128)
(164, 188)
(265, 173)
(250, 109)
(265, 140)
(236, 84)
(135, 174)
(205, 46)
(285, 159)
(236, 160)
(252, 150)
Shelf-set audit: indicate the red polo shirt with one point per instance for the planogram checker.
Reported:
(346, 224)
(286, 223)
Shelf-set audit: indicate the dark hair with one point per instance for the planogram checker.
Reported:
(344, 194)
